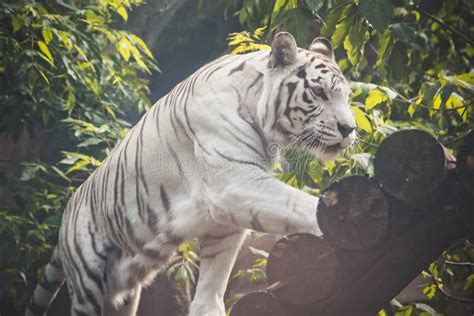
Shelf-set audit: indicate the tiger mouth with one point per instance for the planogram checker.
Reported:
(324, 147)
(311, 140)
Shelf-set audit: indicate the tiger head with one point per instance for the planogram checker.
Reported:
(311, 98)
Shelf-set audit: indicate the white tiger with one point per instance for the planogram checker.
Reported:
(198, 165)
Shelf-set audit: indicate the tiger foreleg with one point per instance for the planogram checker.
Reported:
(263, 203)
(218, 253)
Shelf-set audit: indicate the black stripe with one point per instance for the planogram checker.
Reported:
(250, 146)
(291, 90)
(306, 99)
(301, 73)
(90, 296)
(173, 124)
(137, 184)
(152, 220)
(89, 272)
(192, 130)
(94, 245)
(319, 92)
(154, 254)
(92, 199)
(254, 82)
(277, 103)
(237, 69)
(131, 235)
(74, 269)
(184, 96)
(177, 161)
(142, 174)
(258, 131)
(164, 199)
(233, 220)
(245, 162)
(158, 108)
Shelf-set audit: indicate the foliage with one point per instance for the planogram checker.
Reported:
(68, 71)
(68, 74)
(409, 64)
(247, 42)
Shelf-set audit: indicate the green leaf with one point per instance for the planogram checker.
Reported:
(42, 74)
(314, 5)
(47, 34)
(469, 282)
(44, 48)
(465, 81)
(374, 98)
(61, 174)
(385, 47)
(377, 12)
(80, 165)
(407, 35)
(355, 41)
(142, 45)
(334, 17)
(124, 47)
(405, 311)
(90, 142)
(16, 23)
(66, 40)
(138, 58)
(297, 22)
(430, 291)
(411, 109)
(341, 31)
(365, 160)
(123, 13)
(361, 119)
(443, 94)
(398, 61)
(81, 52)
(181, 276)
(281, 5)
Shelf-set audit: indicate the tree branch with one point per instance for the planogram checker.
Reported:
(446, 26)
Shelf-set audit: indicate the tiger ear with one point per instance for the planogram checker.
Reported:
(322, 46)
(283, 50)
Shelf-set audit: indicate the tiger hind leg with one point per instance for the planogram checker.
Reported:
(125, 275)
(127, 308)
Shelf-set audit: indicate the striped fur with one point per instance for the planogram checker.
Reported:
(197, 165)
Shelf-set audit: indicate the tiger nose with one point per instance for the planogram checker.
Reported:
(345, 129)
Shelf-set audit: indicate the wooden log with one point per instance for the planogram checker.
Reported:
(393, 267)
(304, 266)
(353, 213)
(369, 278)
(257, 304)
(465, 162)
(410, 165)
